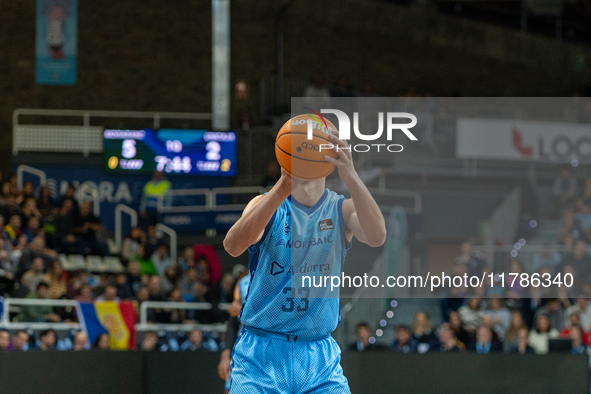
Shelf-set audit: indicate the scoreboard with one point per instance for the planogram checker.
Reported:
(174, 151)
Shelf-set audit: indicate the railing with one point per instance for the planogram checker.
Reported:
(233, 191)
(85, 138)
(207, 193)
(161, 228)
(25, 168)
(143, 324)
(118, 232)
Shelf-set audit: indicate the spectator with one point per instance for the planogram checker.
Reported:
(47, 340)
(32, 277)
(578, 346)
(146, 264)
(473, 259)
(581, 308)
(363, 335)
(187, 281)
(55, 279)
(564, 189)
(70, 194)
(484, 342)
(149, 342)
(143, 294)
(85, 293)
(161, 259)
(575, 322)
(404, 342)
(27, 192)
(422, 332)
(521, 344)
(80, 341)
(45, 203)
(38, 313)
(196, 343)
(6, 270)
(448, 340)
(227, 289)
(317, 88)
(553, 311)
(102, 342)
(36, 249)
(501, 317)
(33, 228)
(342, 88)
(110, 294)
(4, 340)
(187, 260)
(29, 210)
(471, 314)
(10, 209)
(511, 335)
(152, 240)
(547, 257)
(64, 228)
(20, 341)
(155, 288)
(130, 244)
(157, 188)
(134, 279)
(5, 191)
(456, 324)
(169, 280)
(86, 227)
(538, 337)
(174, 316)
(13, 228)
(570, 227)
(579, 261)
(124, 289)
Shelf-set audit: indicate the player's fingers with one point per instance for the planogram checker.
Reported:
(332, 160)
(336, 140)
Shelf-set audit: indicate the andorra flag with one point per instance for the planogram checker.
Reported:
(114, 318)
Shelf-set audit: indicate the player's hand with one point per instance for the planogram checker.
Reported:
(288, 182)
(344, 162)
(224, 366)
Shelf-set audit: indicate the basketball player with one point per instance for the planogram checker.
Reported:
(240, 292)
(285, 344)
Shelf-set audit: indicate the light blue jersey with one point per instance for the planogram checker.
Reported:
(243, 288)
(298, 242)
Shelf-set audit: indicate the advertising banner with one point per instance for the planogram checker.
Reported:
(56, 42)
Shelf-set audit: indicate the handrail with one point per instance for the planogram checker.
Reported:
(188, 208)
(132, 213)
(233, 190)
(25, 168)
(143, 324)
(96, 201)
(161, 228)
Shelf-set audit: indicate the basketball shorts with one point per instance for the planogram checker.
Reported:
(271, 363)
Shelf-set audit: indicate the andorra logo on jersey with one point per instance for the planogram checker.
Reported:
(325, 224)
(287, 228)
(277, 268)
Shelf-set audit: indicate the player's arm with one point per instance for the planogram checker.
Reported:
(362, 215)
(249, 229)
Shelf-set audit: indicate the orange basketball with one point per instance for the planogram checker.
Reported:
(301, 157)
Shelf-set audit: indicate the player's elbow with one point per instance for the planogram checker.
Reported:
(231, 248)
(378, 239)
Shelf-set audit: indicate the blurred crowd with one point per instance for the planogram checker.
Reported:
(36, 230)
